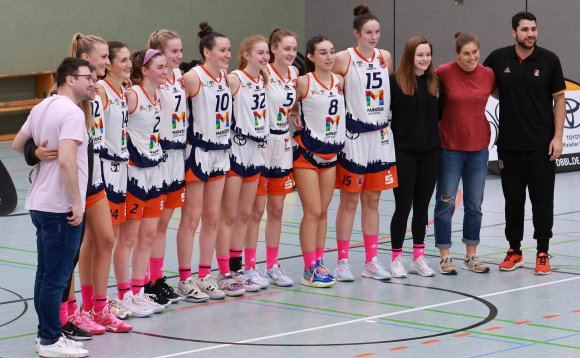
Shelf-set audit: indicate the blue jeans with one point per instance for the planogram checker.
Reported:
(471, 167)
(57, 244)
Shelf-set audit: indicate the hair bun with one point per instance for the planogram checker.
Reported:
(204, 29)
(361, 10)
(457, 34)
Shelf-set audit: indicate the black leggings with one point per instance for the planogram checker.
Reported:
(66, 291)
(417, 174)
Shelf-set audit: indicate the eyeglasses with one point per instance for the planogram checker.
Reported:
(90, 78)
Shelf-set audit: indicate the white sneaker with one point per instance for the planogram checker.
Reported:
(421, 267)
(208, 286)
(77, 344)
(230, 286)
(190, 292)
(256, 276)
(375, 269)
(397, 268)
(147, 301)
(277, 276)
(342, 271)
(245, 282)
(139, 309)
(62, 348)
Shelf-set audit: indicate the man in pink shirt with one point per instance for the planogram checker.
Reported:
(56, 198)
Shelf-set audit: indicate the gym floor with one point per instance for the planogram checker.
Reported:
(501, 314)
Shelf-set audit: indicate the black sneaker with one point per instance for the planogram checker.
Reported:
(162, 289)
(75, 333)
(151, 292)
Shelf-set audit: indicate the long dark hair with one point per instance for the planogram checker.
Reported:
(310, 48)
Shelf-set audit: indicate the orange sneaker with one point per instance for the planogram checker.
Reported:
(512, 261)
(542, 264)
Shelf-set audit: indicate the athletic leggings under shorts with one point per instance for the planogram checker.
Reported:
(246, 159)
(115, 179)
(277, 177)
(203, 165)
(145, 198)
(173, 174)
(367, 162)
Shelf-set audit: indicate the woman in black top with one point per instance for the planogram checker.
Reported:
(415, 125)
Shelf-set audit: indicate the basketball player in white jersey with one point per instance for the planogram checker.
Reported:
(145, 186)
(366, 165)
(208, 137)
(97, 248)
(277, 179)
(172, 136)
(249, 132)
(320, 137)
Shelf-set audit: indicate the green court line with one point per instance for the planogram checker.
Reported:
(15, 249)
(17, 263)
(18, 336)
(309, 307)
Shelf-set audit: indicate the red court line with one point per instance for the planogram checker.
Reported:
(522, 322)
(364, 355)
(576, 311)
(398, 348)
(431, 341)
(493, 328)
(459, 335)
(245, 297)
(552, 316)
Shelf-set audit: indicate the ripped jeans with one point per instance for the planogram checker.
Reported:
(471, 167)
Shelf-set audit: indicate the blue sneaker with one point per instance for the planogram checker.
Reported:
(317, 276)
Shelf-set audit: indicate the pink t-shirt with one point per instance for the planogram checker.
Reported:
(465, 94)
(54, 119)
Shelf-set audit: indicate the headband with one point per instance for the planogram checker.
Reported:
(148, 54)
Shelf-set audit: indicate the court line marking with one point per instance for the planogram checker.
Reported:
(367, 318)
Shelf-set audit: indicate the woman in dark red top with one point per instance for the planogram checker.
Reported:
(464, 131)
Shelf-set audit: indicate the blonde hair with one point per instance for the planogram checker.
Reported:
(158, 39)
(82, 44)
(246, 47)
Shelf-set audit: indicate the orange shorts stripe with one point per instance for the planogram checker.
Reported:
(276, 186)
(92, 199)
(118, 212)
(138, 209)
(175, 199)
(302, 163)
(349, 181)
(254, 177)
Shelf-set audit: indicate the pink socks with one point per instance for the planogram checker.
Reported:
(250, 258)
(87, 295)
(371, 246)
(156, 268)
(418, 250)
(309, 259)
(343, 246)
(271, 256)
(203, 271)
(63, 313)
(100, 303)
(396, 253)
(122, 288)
(223, 264)
(72, 304)
(320, 253)
(184, 273)
(137, 285)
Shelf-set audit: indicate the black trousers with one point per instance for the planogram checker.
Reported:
(417, 174)
(532, 170)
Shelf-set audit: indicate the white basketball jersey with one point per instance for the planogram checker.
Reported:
(116, 116)
(172, 130)
(98, 132)
(280, 98)
(210, 111)
(143, 127)
(249, 111)
(367, 92)
(322, 113)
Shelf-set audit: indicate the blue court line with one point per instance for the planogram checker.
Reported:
(526, 345)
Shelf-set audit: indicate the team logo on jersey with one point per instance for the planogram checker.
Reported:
(153, 141)
(222, 121)
(98, 126)
(259, 118)
(382, 62)
(123, 137)
(374, 97)
(384, 136)
(332, 125)
(282, 114)
(339, 89)
(176, 119)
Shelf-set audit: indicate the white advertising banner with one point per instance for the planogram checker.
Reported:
(570, 159)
